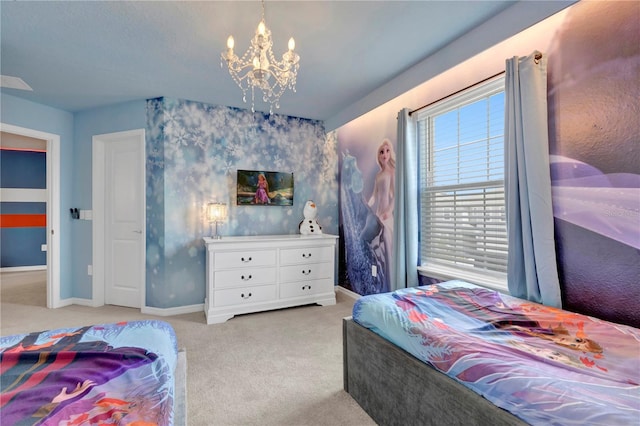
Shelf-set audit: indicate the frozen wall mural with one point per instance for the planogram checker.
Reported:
(193, 153)
(367, 179)
(594, 105)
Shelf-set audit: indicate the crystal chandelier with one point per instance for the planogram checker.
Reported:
(259, 69)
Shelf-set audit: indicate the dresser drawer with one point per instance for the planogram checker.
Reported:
(305, 288)
(306, 255)
(312, 271)
(244, 277)
(244, 295)
(244, 258)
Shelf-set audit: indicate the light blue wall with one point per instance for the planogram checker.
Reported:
(110, 119)
(30, 115)
(193, 153)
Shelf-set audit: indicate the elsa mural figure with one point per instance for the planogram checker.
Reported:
(382, 198)
(367, 222)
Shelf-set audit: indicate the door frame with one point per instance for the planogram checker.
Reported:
(53, 207)
(99, 143)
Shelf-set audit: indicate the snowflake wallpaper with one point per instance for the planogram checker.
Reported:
(193, 153)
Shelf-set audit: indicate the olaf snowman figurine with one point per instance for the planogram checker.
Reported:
(309, 225)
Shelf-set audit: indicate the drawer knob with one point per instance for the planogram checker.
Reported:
(246, 278)
(246, 260)
(306, 287)
(306, 256)
(307, 272)
(245, 296)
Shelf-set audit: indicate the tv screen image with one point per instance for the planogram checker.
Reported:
(261, 188)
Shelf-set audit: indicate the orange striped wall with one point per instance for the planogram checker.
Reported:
(23, 220)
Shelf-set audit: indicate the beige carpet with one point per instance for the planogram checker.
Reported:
(281, 367)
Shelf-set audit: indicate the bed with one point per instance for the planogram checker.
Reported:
(456, 353)
(120, 373)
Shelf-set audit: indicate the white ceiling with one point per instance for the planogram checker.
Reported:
(82, 55)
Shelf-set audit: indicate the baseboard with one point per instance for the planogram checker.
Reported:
(78, 301)
(161, 312)
(348, 292)
(24, 268)
(167, 312)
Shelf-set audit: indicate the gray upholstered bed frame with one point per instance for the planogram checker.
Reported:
(395, 388)
(180, 395)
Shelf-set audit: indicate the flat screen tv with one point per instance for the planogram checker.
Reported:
(261, 188)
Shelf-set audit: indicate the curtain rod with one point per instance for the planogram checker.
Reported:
(455, 93)
(537, 56)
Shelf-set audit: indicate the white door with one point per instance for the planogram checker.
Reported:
(124, 221)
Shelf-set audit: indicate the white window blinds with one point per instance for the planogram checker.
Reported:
(462, 182)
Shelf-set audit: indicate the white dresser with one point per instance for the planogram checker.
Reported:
(259, 273)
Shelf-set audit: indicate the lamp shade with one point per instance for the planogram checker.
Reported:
(216, 212)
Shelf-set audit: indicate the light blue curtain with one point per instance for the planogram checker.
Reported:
(532, 267)
(405, 233)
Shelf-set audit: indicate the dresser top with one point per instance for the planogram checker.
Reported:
(264, 238)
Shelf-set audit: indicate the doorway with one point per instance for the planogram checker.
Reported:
(53, 207)
(119, 237)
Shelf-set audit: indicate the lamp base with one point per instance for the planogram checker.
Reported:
(215, 235)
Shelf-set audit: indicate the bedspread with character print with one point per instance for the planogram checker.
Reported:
(544, 365)
(103, 374)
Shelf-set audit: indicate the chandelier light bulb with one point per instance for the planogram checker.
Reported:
(230, 42)
(292, 44)
(261, 28)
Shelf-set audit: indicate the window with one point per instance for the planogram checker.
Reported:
(462, 209)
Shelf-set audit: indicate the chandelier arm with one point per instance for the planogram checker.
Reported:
(239, 68)
(281, 68)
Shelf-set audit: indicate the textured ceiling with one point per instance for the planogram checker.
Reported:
(82, 55)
